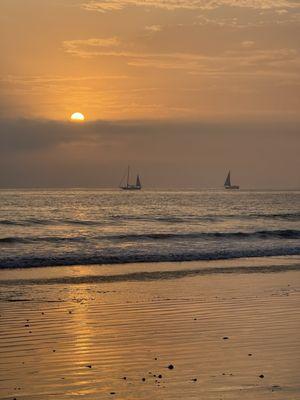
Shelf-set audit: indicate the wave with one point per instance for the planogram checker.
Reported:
(209, 217)
(33, 221)
(50, 239)
(152, 275)
(287, 234)
(281, 234)
(152, 218)
(125, 258)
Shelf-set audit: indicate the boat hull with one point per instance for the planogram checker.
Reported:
(234, 187)
(131, 188)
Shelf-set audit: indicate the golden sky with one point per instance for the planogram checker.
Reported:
(226, 70)
(129, 59)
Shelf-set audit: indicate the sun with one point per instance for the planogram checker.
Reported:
(77, 116)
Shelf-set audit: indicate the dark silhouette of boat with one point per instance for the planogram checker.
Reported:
(228, 184)
(128, 186)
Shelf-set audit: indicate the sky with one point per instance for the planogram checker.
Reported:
(183, 90)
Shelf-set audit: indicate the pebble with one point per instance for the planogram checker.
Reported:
(261, 376)
(225, 337)
(171, 366)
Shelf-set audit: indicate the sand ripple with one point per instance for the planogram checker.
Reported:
(80, 341)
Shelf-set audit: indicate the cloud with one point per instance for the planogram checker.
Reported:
(23, 135)
(117, 5)
(168, 153)
(26, 135)
(54, 80)
(275, 62)
(154, 28)
(248, 43)
(76, 47)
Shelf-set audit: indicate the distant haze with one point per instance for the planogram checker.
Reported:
(183, 90)
(42, 153)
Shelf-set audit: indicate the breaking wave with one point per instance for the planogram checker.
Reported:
(124, 258)
(284, 234)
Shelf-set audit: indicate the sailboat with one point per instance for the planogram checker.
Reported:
(228, 184)
(128, 186)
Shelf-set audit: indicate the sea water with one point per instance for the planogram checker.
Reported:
(89, 226)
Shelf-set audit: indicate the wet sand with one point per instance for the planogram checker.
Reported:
(228, 336)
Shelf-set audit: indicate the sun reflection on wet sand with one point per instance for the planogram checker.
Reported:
(96, 339)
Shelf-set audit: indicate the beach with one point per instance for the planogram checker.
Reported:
(149, 200)
(225, 330)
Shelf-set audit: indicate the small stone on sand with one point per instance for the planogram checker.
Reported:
(261, 376)
(171, 366)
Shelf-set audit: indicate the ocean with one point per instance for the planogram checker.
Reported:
(94, 305)
(88, 227)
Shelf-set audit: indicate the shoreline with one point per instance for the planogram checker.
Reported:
(146, 271)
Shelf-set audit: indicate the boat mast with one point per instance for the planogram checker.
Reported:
(128, 171)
